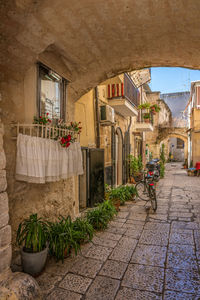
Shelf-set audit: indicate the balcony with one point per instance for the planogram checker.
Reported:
(144, 125)
(124, 97)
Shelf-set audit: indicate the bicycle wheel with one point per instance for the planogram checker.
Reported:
(153, 199)
(142, 191)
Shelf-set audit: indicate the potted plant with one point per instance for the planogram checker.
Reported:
(132, 191)
(33, 234)
(116, 197)
(145, 105)
(64, 237)
(154, 108)
(146, 117)
(134, 169)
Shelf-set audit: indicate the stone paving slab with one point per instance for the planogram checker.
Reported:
(181, 236)
(141, 255)
(86, 266)
(171, 295)
(133, 233)
(181, 257)
(149, 255)
(75, 283)
(157, 226)
(154, 237)
(113, 269)
(183, 280)
(98, 252)
(109, 236)
(104, 242)
(116, 230)
(103, 288)
(61, 294)
(145, 278)
(130, 294)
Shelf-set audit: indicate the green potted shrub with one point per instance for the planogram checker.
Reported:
(98, 218)
(116, 197)
(134, 169)
(146, 117)
(64, 237)
(33, 234)
(82, 225)
(132, 191)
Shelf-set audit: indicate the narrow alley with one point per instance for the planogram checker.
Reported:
(142, 255)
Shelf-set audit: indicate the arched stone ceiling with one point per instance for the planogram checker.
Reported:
(93, 40)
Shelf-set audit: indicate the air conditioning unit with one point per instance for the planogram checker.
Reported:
(107, 115)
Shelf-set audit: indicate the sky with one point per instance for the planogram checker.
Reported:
(171, 80)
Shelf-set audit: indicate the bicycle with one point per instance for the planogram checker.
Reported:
(146, 190)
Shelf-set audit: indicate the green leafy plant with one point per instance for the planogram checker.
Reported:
(155, 108)
(64, 238)
(33, 233)
(98, 218)
(162, 170)
(82, 225)
(162, 154)
(132, 190)
(140, 164)
(108, 208)
(146, 116)
(133, 165)
(145, 105)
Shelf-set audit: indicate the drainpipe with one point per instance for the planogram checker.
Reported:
(97, 118)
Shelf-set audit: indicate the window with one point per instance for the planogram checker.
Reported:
(180, 144)
(51, 93)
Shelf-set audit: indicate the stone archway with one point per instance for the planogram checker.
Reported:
(95, 40)
(88, 42)
(178, 136)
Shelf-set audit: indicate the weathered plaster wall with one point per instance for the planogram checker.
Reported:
(48, 200)
(85, 113)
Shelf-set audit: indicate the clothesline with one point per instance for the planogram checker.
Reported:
(41, 160)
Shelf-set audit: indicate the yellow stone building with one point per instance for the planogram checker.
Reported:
(112, 128)
(194, 124)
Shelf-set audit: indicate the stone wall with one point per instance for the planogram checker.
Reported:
(48, 200)
(5, 229)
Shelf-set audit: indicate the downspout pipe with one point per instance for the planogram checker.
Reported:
(97, 118)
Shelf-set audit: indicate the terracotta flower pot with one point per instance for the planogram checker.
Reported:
(116, 203)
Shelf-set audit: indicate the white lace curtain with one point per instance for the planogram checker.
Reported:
(41, 160)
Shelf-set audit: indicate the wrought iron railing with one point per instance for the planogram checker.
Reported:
(43, 131)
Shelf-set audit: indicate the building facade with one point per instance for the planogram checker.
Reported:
(193, 110)
(113, 129)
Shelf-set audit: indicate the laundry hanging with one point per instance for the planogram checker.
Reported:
(41, 160)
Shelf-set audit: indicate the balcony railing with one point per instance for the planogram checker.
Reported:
(125, 90)
(141, 118)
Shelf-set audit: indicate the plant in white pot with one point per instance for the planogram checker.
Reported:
(33, 234)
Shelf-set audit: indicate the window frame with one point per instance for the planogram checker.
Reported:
(63, 94)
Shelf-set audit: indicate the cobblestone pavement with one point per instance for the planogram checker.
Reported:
(142, 255)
